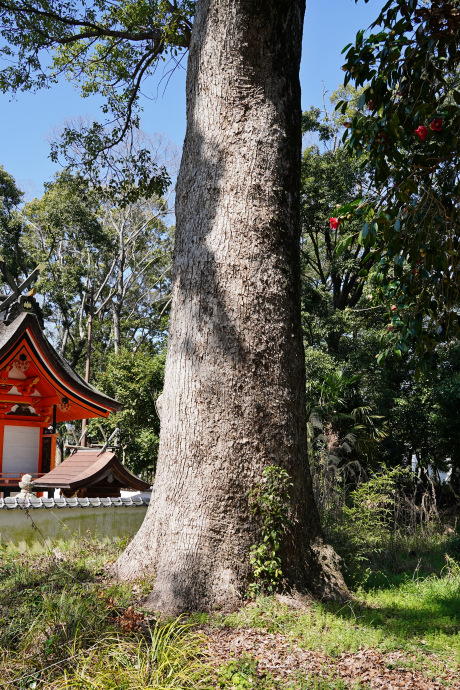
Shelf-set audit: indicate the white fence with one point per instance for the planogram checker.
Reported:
(25, 523)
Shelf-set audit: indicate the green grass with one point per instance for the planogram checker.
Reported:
(64, 625)
(417, 614)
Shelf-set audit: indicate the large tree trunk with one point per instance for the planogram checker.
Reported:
(234, 394)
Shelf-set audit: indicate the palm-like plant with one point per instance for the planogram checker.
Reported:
(343, 437)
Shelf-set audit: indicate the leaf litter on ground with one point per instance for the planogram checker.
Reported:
(275, 654)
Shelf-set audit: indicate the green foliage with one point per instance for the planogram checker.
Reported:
(367, 523)
(62, 626)
(345, 323)
(407, 126)
(102, 48)
(270, 501)
(170, 659)
(344, 438)
(89, 244)
(123, 257)
(337, 406)
(421, 415)
(453, 546)
(238, 673)
(343, 423)
(413, 614)
(383, 523)
(10, 223)
(135, 380)
(332, 283)
(396, 616)
(64, 231)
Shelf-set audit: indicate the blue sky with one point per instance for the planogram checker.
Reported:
(26, 123)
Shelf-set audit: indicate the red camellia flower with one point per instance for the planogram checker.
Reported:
(389, 327)
(393, 307)
(436, 124)
(334, 223)
(421, 132)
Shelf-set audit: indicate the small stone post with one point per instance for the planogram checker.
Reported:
(26, 485)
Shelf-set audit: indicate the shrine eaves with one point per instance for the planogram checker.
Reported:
(38, 389)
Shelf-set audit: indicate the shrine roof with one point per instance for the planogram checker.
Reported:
(88, 467)
(26, 329)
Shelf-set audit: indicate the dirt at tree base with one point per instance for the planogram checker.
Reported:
(286, 663)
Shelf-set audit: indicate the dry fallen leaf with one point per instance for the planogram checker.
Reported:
(277, 655)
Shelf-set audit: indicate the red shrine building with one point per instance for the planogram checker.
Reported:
(38, 389)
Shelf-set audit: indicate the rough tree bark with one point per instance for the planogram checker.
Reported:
(234, 394)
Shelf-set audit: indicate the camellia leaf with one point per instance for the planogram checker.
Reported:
(410, 135)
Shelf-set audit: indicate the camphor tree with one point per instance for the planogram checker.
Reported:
(234, 394)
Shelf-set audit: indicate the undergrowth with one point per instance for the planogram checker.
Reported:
(64, 625)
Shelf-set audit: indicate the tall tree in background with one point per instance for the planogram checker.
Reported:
(84, 241)
(344, 328)
(332, 284)
(122, 255)
(234, 396)
(340, 330)
(136, 380)
(63, 230)
(10, 222)
(138, 271)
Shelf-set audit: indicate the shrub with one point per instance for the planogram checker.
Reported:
(270, 500)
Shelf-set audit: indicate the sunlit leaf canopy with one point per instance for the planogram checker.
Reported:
(104, 48)
(407, 128)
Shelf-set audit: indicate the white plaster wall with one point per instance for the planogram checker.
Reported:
(20, 450)
(16, 527)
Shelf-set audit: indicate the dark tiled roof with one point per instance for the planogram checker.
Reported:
(88, 467)
(10, 334)
(34, 503)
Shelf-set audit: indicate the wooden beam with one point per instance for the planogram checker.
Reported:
(53, 451)
(23, 421)
(2, 434)
(40, 451)
(29, 399)
(19, 382)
